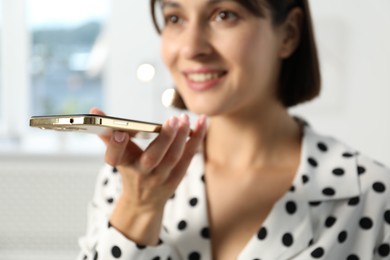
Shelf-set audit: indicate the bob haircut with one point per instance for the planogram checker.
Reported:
(300, 78)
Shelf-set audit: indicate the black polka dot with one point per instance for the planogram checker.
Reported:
(205, 233)
(203, 178)
(352, 257)
(315, 203)
(173, 196)
(109, 224)
(329, 191)
(311, 242)
(387, 216)
(287, 239)
(193, 202)
(305, 179)
(384, 250)
(348, 155)
(105, 182)
(322, 147)
(194, 256)
(379, 187)
(329, 222)
(312, 162)
(114, 170)
(110, 200)
(156, 258)
(365, 223)
(160, 241)
(361, 170)
(85, 257)
(318, 252)
(292, 188)
(338, 172)
(354, 201)
(95, 257)
(342, 236)
(262, 234)
(140, 246)
(182, 225)
(116, 252)
(291, 207)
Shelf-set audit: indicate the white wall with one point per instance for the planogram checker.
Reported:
(43, 206)
(132, 42)
(354, 45)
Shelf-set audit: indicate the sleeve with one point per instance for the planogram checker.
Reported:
(101, 240)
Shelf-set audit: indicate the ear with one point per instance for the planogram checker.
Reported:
(291, 32)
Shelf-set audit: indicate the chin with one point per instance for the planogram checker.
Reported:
(205, 109)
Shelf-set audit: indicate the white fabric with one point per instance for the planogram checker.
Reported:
(338, 207)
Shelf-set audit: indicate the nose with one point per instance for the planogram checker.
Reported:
(196, 42)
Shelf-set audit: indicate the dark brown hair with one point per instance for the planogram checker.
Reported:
(300, 78)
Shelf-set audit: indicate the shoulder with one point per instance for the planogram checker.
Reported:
(374, 178)
(342, 166)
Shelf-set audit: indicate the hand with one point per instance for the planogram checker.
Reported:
(150, 176)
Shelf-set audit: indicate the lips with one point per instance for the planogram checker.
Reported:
(204, 79)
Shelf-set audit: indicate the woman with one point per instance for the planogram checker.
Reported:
(256, 183)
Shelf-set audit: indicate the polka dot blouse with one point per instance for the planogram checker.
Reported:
(338, 208)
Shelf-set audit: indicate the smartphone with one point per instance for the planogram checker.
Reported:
(96, 124)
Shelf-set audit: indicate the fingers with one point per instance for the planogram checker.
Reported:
(116, 148)
(175, 151)
(96, 111)
(167, 157)
(155, 152)
(190, 150)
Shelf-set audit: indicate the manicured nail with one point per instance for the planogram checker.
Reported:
(173, 122)
(184, 119)
(202, 120)
(119, 136)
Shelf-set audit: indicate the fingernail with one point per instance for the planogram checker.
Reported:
(202, 120)
(119, 136)
(184, 119)
(173, 122)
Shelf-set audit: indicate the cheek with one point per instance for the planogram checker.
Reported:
(167, 50)
(164, 51)
(255, 55)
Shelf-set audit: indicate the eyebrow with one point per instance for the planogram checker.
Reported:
(168, 3)
(218, 1)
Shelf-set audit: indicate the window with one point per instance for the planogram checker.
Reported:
(52, 62)
(1, 90)
(63, 34)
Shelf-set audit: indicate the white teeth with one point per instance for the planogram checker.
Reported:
(201, 77)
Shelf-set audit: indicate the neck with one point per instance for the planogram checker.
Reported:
(254, 140)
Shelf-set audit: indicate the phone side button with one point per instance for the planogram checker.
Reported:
(121, 123)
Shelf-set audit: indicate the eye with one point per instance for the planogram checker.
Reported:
(226, 16)
(172, 19)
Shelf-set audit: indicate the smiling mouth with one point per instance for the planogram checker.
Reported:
(204, 77)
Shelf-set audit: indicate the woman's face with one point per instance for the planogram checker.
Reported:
(223, 59)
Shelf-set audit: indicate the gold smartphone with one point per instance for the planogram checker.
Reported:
(96, 124)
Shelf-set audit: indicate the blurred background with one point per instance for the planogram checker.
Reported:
(67, 56)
